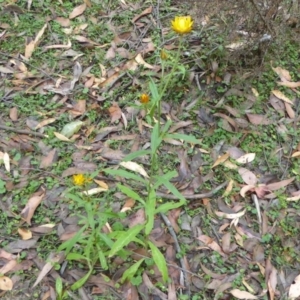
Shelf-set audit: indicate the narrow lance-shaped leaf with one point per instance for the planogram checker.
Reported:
(188, 138)
(131, 271)
(125, 174)
(163, 208)
(125, 239)
(136, 154)
(173, 190)
(130, 193)
(155, 139)
(78, 284)
(159, 260)
(150, 208)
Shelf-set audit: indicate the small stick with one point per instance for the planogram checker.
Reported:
(3, 127)
(178, 250)
(195, 196)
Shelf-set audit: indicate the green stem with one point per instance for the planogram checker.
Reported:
(162, 91)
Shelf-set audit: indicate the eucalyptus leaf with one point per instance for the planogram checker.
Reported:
(71, 128)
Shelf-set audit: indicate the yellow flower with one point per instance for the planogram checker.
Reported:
(182, 25)
(144, 98)
(79, 179)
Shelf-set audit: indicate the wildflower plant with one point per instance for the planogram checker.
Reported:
(90, 244)
(94, 245)
(151, 202)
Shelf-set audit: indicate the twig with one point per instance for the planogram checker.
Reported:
(27, 63)
(178, 250)
(3, 127)
(293, 139)
(262, 17)
(255, 200)
(195, 196)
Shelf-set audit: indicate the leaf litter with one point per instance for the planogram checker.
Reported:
(219, 229)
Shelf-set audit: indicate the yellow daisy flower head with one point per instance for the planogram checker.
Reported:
(79, 179)
(144, 98)
(182, 25)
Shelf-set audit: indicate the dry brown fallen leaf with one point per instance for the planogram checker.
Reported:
(61, 137)
(280, 184)
(64, 22)
(242, 294)
(32, 204)
(230, 216)
(135, 167)
(115, 112)
(13, 114)
(6, 255)
(4, 157)
(52, 259)
(209, 242)
(258, 119)
(6, 283)
(283, 74)
(289, 84)
(77, 11)
(45, 123)
(8, 266)
(25, 233)
(147, 11)
(48, 160)
(221, 159)
(33, 44)
(248, 176)
(244, 159)
(282, 97)
(294, 290)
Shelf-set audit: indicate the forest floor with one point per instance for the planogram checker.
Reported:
(106, 195)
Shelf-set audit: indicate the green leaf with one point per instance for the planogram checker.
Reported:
(136, 154)
(68, 245)
(159, 180)
(59, 286)
(76, 256)
(130, 193)
(102, 258)
(130, 272)
(125, 239)
(163, 208)
(155, 139)
(125, 174)
(159, 260)
(78, 284)
(71, 128)
(166, 127)
(75, 198)
(173, 190)
(150, 208)
(188, 138)
(154, 91)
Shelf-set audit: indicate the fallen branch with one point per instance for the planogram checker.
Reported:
(195, 196)
(178, 250)
(3, 127)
